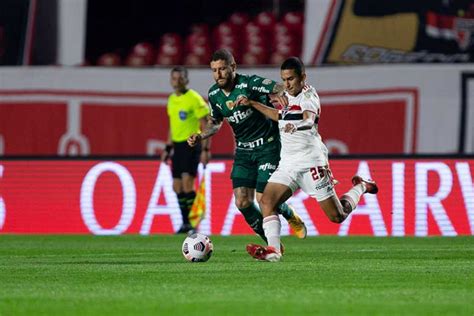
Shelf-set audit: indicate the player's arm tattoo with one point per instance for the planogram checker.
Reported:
(269, 112)
(206, 143)
(212, 127)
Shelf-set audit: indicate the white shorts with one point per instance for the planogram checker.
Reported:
(317, 182)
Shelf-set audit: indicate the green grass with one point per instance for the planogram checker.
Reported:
(136, 275)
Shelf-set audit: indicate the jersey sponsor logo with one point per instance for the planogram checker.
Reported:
(241, 85)
(213, 92)
(267, 166)
(239, 116)
(183, 115)
(261, 89)
(323, 185)
(253, 144)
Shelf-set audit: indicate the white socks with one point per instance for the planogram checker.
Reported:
(353, 195)
(272, 229)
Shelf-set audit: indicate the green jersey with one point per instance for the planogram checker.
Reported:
(251, 128)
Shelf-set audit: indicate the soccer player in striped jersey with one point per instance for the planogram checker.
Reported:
(304, 161)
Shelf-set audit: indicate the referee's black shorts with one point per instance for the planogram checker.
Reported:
(185, 159)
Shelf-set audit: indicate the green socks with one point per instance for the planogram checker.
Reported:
(285, 211)
(254, 218)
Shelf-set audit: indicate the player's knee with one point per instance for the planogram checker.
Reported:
(242, 203)
(266, 205)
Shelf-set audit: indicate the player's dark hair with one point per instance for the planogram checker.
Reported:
(293, 63)
(182, 70)
(223, 54)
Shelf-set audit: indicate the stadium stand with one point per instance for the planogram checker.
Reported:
(263, 39)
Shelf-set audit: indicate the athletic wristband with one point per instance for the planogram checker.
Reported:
(168, 148)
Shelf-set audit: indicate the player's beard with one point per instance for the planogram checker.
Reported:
(226, 84)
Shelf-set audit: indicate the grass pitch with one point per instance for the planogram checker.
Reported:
(137, 275)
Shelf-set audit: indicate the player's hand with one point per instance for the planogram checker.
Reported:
(166, 155)
(242, 100)
(194, 139)
(277, 99)
(205, 156)
(289, 128)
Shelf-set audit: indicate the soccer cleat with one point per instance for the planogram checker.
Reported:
(297, 224)
(370, 185)
(263, 253)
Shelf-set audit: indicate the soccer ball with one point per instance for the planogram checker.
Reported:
(197, 248)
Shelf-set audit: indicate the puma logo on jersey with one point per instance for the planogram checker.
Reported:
(239, 116)
(219, 106)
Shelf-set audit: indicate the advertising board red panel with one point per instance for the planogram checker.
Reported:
(70, 123)
(422, 197)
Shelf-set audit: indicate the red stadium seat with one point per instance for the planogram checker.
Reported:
(252, 28)
(144, 50)
(167, 60)
(109, 60)
(225, 28)
(170, 50)
(239, 19)
(277, 58)
(171, 38)
(200, 28)
(250, 59)
(195, 60)
(294, 21)
(266, 20)
(135, 60)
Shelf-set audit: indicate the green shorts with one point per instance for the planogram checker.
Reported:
(252, 168)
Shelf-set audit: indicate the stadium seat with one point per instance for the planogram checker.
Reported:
(135, 60)
(170, 50)
(167, 60)
(239, 19)
(294, 21)
(171, 38)
(261, 39)
(195, 60)
(266, 20)
(250, 59)
(145, 51)
(200, 28)
(109, 60)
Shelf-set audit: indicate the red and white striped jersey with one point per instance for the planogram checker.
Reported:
(303, 147)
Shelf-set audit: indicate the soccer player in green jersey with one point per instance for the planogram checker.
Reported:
(257, 138)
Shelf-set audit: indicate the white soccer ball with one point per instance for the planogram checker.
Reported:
(197, 248)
